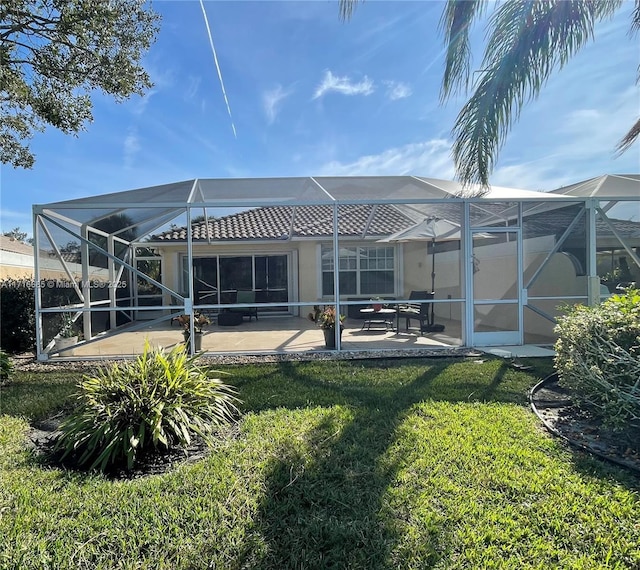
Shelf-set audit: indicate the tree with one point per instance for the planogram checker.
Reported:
(17, 234)
(527, 42)
(54, 53)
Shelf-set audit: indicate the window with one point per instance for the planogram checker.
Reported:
(363, 270)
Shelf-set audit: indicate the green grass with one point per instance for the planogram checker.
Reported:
(362, 464)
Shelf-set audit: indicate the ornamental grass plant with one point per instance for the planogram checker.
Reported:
(155, 403)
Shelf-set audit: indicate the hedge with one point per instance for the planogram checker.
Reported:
(598, 357)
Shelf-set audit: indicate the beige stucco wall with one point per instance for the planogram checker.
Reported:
(20, 266)
(496, 262)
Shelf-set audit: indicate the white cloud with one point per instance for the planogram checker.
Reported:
(539, 174)
(271, 101)
(131, 148)
(576, 146)
(430, 158)
(398, 90)
(343, 85)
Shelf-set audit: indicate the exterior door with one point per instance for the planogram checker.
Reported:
(497, 287)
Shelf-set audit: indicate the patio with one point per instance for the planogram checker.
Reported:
(267, 335)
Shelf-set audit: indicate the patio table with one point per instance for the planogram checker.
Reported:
(376, 318)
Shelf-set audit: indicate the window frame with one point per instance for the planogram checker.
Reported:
(357, 264)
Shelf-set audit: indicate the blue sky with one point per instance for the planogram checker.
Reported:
(311, 95)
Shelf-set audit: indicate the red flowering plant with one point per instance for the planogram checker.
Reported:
(328, 317)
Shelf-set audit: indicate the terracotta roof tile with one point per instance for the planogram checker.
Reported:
(276, 223)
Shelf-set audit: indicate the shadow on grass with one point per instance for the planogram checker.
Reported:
(332, 513)
(376, 382)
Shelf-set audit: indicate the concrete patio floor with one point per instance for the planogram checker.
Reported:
(267, 335)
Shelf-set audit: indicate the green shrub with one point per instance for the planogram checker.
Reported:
(18, 323)
(155, 403)
(598, 357)
(17, 306)
(6, 366)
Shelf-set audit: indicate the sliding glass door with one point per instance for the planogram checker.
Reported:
(217, 278)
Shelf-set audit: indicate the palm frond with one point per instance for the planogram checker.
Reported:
(635, 26)
(629, 138)
(457, 19)
(347, 7)
(635, 19)
(528, 41)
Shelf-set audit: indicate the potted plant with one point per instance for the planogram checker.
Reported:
(199, 322)
(327, 320)
(376, 303)
(67, 337)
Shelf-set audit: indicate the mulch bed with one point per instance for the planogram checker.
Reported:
(553, 405)
(42, 436)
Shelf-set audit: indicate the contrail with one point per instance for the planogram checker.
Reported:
(215, 58)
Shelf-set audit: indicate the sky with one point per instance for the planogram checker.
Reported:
(298, 92)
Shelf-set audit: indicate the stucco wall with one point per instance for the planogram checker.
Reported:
(494, 279)
(20, 266)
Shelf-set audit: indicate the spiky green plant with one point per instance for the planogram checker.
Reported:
(157, 402)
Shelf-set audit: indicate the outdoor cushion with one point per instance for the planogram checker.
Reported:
(229, 319)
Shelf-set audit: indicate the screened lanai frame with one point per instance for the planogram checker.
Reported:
(154, 207)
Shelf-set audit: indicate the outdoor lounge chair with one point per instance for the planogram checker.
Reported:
(417, 311)
(246, 297)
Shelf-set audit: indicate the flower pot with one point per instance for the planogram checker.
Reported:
(64, 343)
(198, 340)
(330, 337)
(377, 307)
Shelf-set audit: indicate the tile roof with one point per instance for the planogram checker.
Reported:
(275, 222)
(14, 246)
(278, 222)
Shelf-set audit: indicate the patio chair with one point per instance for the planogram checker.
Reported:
(417, 311)
(246, 297)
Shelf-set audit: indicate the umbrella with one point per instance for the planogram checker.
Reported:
(429, 229)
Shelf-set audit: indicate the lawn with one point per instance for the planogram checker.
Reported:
(429, 463)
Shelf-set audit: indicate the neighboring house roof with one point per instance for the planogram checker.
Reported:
(69, 256)
(14, 246)
(285, 222)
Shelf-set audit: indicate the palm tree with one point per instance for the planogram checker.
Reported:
(527, 42)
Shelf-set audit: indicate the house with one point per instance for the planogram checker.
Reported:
(16, 259)
(517, 256)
